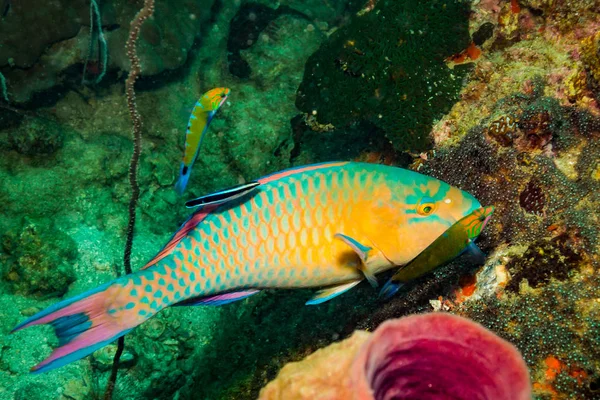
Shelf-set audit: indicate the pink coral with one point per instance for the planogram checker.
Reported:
(438, 356)
(432, 356)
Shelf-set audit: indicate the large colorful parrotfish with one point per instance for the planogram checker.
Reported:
(202, 114)
(457, 239)
(327, 225)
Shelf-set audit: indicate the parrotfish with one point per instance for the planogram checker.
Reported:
(326, 226)
(202, 114)
(457, 239)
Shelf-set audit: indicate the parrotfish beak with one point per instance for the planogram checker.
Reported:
(224, 98)
(486, 215)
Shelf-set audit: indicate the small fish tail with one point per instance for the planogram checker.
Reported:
(184, 176)
(88, 322)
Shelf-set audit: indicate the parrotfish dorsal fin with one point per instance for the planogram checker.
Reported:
(187, 226)
(223, 196)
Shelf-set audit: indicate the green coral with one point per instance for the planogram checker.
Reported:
(38, 260)
(544, 259)
(35, 136)
(387, 67)
(560, 321)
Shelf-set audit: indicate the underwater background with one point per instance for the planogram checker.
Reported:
(499, 98)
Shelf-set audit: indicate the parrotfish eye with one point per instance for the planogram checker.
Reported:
(426, 206)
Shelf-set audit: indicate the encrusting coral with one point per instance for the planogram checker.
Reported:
(387, 67)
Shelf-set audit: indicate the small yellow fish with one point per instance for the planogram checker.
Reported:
(203, 112)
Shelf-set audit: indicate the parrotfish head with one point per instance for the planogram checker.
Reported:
(214, 98)
(416, 212)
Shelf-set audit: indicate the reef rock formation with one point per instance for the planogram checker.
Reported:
(44, 45)
(387, 67)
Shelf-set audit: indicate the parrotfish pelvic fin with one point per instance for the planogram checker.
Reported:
(223, 196)
(329, 293)
(362, 252)
(475, 254)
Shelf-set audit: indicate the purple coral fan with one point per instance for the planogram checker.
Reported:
(438, 356)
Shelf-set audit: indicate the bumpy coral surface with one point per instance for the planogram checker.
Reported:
(387, 67)
(322, 375)
(58, 34)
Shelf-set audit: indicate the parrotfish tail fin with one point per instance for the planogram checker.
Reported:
(184, 176)
(390, 289)
(84, 323)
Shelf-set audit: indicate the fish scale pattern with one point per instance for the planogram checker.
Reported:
(282, 235)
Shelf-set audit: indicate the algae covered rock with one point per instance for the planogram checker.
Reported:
(387, 67)
(35, 136)
(38, 260)
(57, 36)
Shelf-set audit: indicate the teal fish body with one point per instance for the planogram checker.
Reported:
(326, 226)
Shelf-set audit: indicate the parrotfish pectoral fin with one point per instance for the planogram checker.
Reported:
(184, 176)
(223, 196)
(362, 252)
(219, 299)
(327, 294)
(82, 325)
(476, 256)
(390, 289)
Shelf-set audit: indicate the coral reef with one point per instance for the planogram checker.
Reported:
(38, 260)
(323, 374)
(387, 67)
(58, 38)
(523, 135)
(34, 136)
(246, 26)
(430, 356)
(590, 56)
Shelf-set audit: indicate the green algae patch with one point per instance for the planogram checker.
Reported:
(387, 67)
(34, 136)
(38, 260)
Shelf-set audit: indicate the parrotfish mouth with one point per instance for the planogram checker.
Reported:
(486, 215)
(222, 101)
